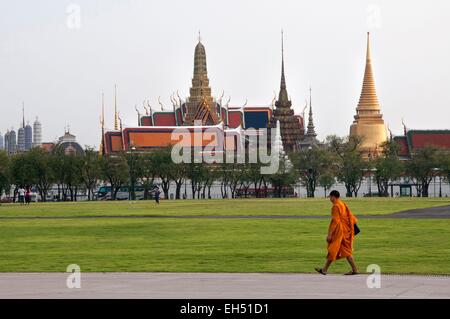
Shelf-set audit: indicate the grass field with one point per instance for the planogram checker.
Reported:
(222, 245)
(242, 207)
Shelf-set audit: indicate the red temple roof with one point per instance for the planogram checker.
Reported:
(417, 139)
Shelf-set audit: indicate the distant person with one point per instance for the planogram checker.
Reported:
(28, 196)
(21, 193)
(341, 234)
(157, 194)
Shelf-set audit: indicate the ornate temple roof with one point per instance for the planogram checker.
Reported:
(417, 139)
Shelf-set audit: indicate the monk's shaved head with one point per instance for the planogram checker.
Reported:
(335, 194)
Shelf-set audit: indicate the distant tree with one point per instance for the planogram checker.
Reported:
(57, 162)
(196, 172)
(73, 180)
(234, 177)
(224, 170)
(327, 180)
(165, 168)
(179, 175)
(256, 178)
(284, 178)
(211, 174)
(422, 168)
(134, 170)
(18, 175)
(66, 170)
(311, 164)
(5, 173)
(148, 170)
(41, 170)
(350, 165)
(388, 167)
(246, 177)
(114, 170)
(89, 170)
(21, 172)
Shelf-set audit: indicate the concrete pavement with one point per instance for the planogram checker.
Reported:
(219, 286)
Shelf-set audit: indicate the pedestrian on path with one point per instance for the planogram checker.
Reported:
(157, 194)
(341, 234)
(21, 193)
(28, 196)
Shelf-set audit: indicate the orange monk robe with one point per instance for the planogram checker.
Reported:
(342, 231)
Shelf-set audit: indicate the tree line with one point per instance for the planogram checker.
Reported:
(337, 160)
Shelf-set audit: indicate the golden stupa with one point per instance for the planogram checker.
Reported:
(369, 123)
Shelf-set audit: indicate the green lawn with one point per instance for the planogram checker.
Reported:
(216, 245)
(321, 207)
(204, 245)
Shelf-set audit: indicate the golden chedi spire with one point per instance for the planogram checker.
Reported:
(369, 124)
(101, 149)
(368, 99)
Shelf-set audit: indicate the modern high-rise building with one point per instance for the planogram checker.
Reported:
(37, 130)
(12, 142)
(21, 133)
(6, 141)
(21, 139)
(28, 137)
(1, 142)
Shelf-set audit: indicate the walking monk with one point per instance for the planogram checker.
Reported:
(341, 234)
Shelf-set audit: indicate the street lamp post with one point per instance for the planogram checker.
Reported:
(434, 186)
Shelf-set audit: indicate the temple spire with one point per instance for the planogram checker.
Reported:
(368, 99)
(283, 77)
(283, 96)
(116, 114)
(200, 92)
(369, 124)
(311, 128)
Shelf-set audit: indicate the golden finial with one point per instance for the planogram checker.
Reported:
(369, 53)
(101, 149)
(116, 114)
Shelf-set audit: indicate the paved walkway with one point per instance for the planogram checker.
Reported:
(219, 286)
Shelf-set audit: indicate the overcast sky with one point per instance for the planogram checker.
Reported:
(59, 64)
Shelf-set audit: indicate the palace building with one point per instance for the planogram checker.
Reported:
(199, 112)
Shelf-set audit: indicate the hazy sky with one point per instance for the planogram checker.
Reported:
(59, 67)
